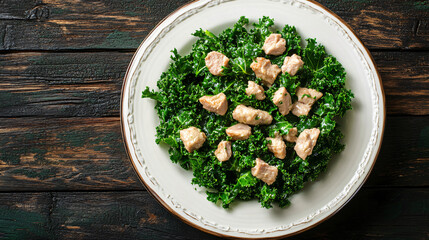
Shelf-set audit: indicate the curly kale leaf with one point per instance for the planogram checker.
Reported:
(293, 40)
(313, 54)
(262, 30)
(147, 93)
(280, 127)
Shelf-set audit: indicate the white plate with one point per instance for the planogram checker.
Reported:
(171, 185)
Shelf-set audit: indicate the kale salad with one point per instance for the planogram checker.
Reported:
(252, 111)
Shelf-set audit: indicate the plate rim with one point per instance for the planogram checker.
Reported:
(153, 193)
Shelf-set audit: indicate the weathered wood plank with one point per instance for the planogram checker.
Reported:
(89, 83)
(404, 156)
(117, 215)
(61, 84)
(39, 154)
(63, 154)
(59, 24)
(405, 80)
(136, 215)
(25, 216)
(387, 23)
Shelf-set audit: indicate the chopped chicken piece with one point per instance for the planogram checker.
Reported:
(265, 70)
(300, 108)
(217, 103)
(251, 116)
(306, 98)
(223, 151)
(291, 136)
(274, 45)
(306, 142)
(215, 61)
(303, 93)
(283, 101)
(292, 64)
(265, 172)
(277, 146)
(193, 138)
(239, 131)
(255, 89)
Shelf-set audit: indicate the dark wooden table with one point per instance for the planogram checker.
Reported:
(64, 173)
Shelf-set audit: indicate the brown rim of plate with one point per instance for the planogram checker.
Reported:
(155, 195)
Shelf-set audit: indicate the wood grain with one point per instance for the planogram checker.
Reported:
(136, 215)
(386, 24)
(61, 84)
(405, 80)
(67, 24)
(88, 84)
(88, 154)
(405, 149)
(63, 154)
(26, 216)
(58, 24)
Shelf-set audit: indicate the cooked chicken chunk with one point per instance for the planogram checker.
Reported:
(251, 116)
(265, 172)
(239, 131)
(306, 142)
(283, 101)
(306, 98)
(292, 64)
(277, 146)
(223, 151)
(215, 61)
(303, 93)
(255, 89)
(300, 108)
(217, 103)
(265, 70)
(193, 138)
(274, 45)
(291, 136)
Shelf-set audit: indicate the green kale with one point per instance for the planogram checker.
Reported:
(187, 79)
